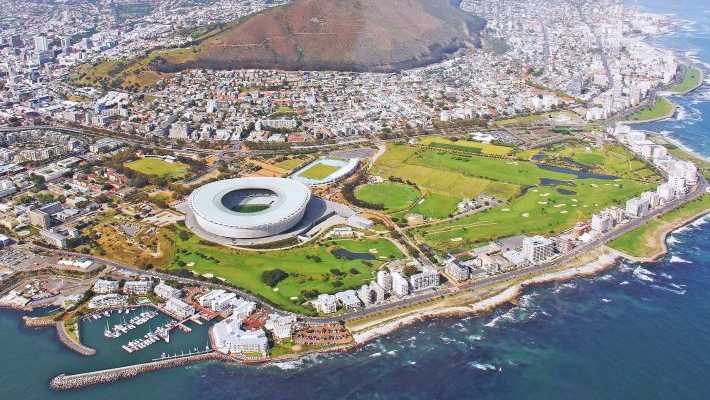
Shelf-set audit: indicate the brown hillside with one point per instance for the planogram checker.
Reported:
(358, 35)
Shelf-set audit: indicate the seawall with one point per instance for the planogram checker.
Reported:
(77, 381)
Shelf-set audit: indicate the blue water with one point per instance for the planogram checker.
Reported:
(636, 332)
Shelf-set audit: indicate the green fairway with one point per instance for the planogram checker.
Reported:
(312, 268)
(542, 210)
(392, 196)
(691, 79)
(663, 108)
(646, 241)
(436, 206)
(159, 168)
(484, 148)
(318, 171)
(433, 174)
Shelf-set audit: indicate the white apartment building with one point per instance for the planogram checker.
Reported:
(537, 249)
(400, 286)
(179, 308)
(326, 304)
(104, 286)
(166, 291)
(424, 280)
(384, 279)
(137, 287)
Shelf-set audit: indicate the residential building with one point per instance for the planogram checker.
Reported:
(457, 272)
(537, 249)
(326, 304)
(424, 280)
(104, 286)
(384, 279)
(229, 337)
(400, 285)
(179, 308)
(166, 291)
(141, 287)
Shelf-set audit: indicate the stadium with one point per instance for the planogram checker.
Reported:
(250, 208)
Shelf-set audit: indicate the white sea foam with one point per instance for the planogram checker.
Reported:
(643, 274)
(606, 277)
(624, 283)
(666, 275)
(392, 352)
(679, 260)
(376, 354)
(474, 338)
(673, 240)
(604, 300)
(482, 366)
(289, 365)
(667, 289)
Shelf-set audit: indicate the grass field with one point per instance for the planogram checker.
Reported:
(691, 79)
(483, 147)
(289, 164)
(411, 164)
(536, 118)
(436, 206)
(318, 171)
(647, 241)
(157, 167)
(310, 268)
(392, 196)
(543, 210)
(663, 108)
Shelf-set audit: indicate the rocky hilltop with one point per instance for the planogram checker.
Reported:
(346, 35)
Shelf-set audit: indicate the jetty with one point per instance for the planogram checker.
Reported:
(77, 381)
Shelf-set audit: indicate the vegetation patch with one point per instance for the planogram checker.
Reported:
(318, 171)
(285, 278)
(662, 108)
(158, 167)
(647, 240)
(392, 196)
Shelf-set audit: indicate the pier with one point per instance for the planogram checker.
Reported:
(77, 381)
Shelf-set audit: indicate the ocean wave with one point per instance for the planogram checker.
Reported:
(643, 274)
(679, 260)
(624, 283)
(667, 289)
(392, 352)
(666, 275)
(526, 301)
(482, 366)
(605, 300)
(673, 240)
(606, 277)
(375, 354)
(474, 338)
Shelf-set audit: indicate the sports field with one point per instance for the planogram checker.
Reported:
(318, 171)
(311, 268)
(159, 168)
(392, 196)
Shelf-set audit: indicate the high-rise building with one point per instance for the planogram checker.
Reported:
(400, 286)
(41, 43)
(384, 279)
(537, 249)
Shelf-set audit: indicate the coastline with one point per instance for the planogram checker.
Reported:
(662, 236)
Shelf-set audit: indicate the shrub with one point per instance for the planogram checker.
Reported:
(273, 277)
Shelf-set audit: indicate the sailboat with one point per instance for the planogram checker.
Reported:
(107, 331)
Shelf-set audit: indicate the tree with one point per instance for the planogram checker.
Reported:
(273, 277)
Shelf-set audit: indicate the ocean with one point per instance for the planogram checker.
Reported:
(639, 331)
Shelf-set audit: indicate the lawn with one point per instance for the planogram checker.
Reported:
(691, 79)
(484, 148)
(157, 167)
(310, 268)
(436, 206)
(318, 171)
(542, 210)
(646, 241)
(663, 108)
(289, 164)
(392, 196)
(411, 164)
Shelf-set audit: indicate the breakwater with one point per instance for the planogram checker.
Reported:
(78, 381)
(39, 322)
(71, 343)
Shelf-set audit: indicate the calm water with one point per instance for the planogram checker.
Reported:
(637, 332)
